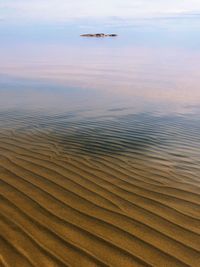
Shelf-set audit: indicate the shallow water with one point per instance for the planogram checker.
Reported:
(100, 146)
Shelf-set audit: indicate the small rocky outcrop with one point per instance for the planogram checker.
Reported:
(98, 35)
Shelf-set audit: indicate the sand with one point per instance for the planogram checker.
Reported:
(74, 204)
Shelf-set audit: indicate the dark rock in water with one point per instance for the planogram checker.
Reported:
(98, 35)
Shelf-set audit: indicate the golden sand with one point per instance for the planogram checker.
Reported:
(61, 206)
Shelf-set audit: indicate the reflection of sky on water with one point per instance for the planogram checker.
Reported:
(180, 31)
(151, 62)
(137, 92)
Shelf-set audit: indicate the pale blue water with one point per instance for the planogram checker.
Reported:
(151, 69)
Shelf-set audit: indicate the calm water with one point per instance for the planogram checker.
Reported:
(144, 83)
(100, 144)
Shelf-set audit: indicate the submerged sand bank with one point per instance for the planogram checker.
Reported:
(65, 206)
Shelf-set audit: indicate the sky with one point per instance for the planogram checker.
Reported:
(66, 10)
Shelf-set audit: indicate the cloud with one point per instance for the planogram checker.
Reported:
(64, 10)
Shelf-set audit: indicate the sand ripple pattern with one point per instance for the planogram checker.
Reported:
(107, 191)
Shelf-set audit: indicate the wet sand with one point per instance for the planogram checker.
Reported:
(99, 192)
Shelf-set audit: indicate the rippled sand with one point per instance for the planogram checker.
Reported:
(119, 191)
